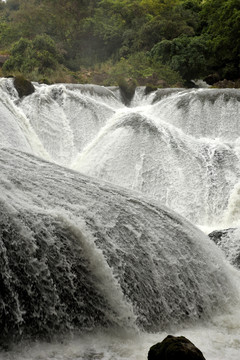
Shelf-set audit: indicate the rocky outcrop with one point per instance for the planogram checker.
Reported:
(127, 90)
(218, 235)
(175, 348)
(23, 86)
(226, 84)
(229, 241)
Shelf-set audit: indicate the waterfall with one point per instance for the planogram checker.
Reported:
(99, 208)
(71, 243)
(178, 146)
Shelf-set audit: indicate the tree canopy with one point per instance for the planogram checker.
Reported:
(191, 38)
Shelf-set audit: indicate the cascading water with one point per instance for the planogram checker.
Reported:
(79, 253)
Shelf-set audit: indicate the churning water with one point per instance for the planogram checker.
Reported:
(100, 253)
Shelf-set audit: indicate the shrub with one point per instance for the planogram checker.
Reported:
(39, 55)
(144, 70)
(186, 55)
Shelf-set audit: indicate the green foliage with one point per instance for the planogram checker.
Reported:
(13, 5)
(138, 25)
(192, 38)
(39, 55)
(20, 47)
(5, 33)
(143, 69)
(223, 29)
(169, 20)
(187, 55)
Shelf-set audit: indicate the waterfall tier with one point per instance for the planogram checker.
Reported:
(78, 254)
(179, 147)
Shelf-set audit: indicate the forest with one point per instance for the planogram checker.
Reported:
(151, 42)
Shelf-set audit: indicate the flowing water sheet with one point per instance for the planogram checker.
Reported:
(102, 271)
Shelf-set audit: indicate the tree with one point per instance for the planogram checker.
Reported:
(142, 70)
(222, 24)
(186, 55)
(40, 55)
(194, 37)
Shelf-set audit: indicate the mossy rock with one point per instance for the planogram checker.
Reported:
(127, 89)
(23, 86)
(150, 88)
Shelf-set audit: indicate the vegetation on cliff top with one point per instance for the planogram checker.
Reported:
(164, 43)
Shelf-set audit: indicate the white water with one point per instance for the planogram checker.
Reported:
(181, 149)
(146, 267)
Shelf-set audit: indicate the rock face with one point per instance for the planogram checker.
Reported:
(175, 348)
(228, 241)
(23, 86)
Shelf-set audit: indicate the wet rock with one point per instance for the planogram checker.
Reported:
(229, 242)
(175, 348)
(127, 89)
(23, 86)
(218, 235)
(149, 88)
(161, 93)
(191, 85)
(212, 79)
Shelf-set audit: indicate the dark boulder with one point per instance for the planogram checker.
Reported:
(175, 348)
(212, 79)
(190, 84)
(23, 86)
